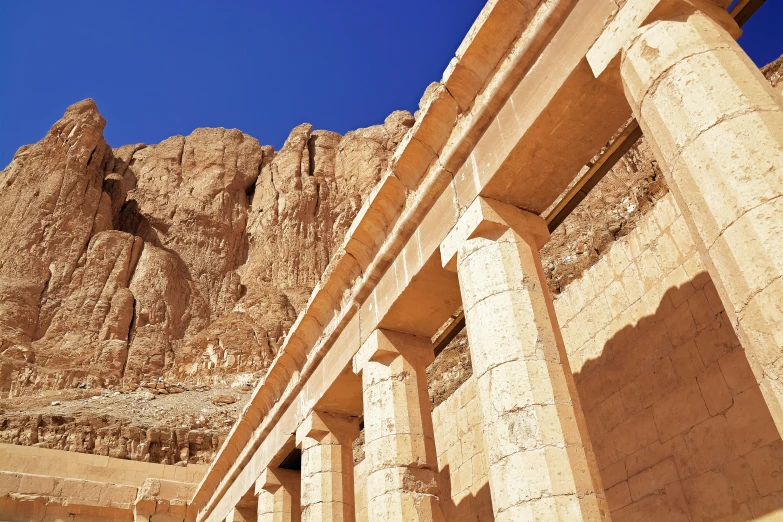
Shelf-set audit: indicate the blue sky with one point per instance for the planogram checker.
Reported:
(165, 67)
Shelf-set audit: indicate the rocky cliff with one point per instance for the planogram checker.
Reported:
(183, 262)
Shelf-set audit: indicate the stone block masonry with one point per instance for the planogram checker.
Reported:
(45, 484)
(678, 423)
(84, 466)
(462, 458)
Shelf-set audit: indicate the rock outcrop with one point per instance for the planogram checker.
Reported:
(190, 257)
(186, 260)
(773, 72)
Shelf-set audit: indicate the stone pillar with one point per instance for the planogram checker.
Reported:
(327, 467)
(717, 127)
(541, 464)
(399, 444)
(278, 496)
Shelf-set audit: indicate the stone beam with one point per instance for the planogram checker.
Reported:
(625, 22)
(555, 120)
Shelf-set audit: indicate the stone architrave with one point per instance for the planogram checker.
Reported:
(399, 444)
(716, 125)
(541, 463)
(278, 496)
(327, 467)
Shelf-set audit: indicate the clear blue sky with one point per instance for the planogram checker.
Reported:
(164, 67)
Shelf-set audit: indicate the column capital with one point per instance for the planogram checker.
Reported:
(490, 218)
(387, 345)
(318, 424)
(268, 481)
(635, 14)
(278, 494)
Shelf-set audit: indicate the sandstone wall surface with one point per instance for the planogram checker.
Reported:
(678, 424)
(28, 497)
(462, 460)
(39, 484)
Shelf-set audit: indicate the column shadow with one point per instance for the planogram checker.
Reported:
(678, 425)
(472, 505)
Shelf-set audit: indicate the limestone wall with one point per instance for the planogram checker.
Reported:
(26, 498)
(57, 463)
(678, 424)
(45, 484)
(462, 462)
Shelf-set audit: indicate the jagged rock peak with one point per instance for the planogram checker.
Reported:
(188, 258)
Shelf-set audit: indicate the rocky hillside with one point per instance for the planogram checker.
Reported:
(183, 262)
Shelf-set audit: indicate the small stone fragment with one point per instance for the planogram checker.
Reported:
(222, 400)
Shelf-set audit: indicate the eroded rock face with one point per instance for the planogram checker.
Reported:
(186, 260)
(186, 198)
(52, 204)
(298, 208)
(107, 436)
(774, 73)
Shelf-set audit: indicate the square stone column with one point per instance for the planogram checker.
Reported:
(327, 467)
(399, 443)
(541, 464)
(278, 496)
(716, 126)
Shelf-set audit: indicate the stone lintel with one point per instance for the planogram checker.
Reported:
(488, 217)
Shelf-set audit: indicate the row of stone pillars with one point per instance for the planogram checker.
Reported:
(532, 425)
(399, 446)
(718, 129)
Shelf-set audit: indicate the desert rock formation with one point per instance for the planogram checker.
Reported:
(185, 261)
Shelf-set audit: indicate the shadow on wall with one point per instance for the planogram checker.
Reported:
(678, 424)
(462, 460)
(473, 506)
